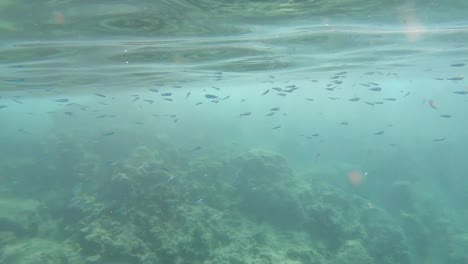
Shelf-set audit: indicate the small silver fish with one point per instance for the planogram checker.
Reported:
(376, 89)
(455, 78)
(211, 96)
(108, 134)
(196, 149)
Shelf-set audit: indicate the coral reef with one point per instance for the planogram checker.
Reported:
(158, 205)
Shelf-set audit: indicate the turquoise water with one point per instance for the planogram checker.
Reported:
(323, 132)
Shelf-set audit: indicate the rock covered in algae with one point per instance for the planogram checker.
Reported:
(112, 240)
(399, 197)
(352, 252)
(146, 209)
(384, 238)
(303, 253)
(35, 250)
(332, 216)
(266, 187)
(19, 216)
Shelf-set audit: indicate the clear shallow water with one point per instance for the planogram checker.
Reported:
(268, 122)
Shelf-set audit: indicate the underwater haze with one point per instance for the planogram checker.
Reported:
(234, 132)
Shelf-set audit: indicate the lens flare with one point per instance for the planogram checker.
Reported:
(355, 178)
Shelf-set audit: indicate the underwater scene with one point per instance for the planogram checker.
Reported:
(233, 132)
